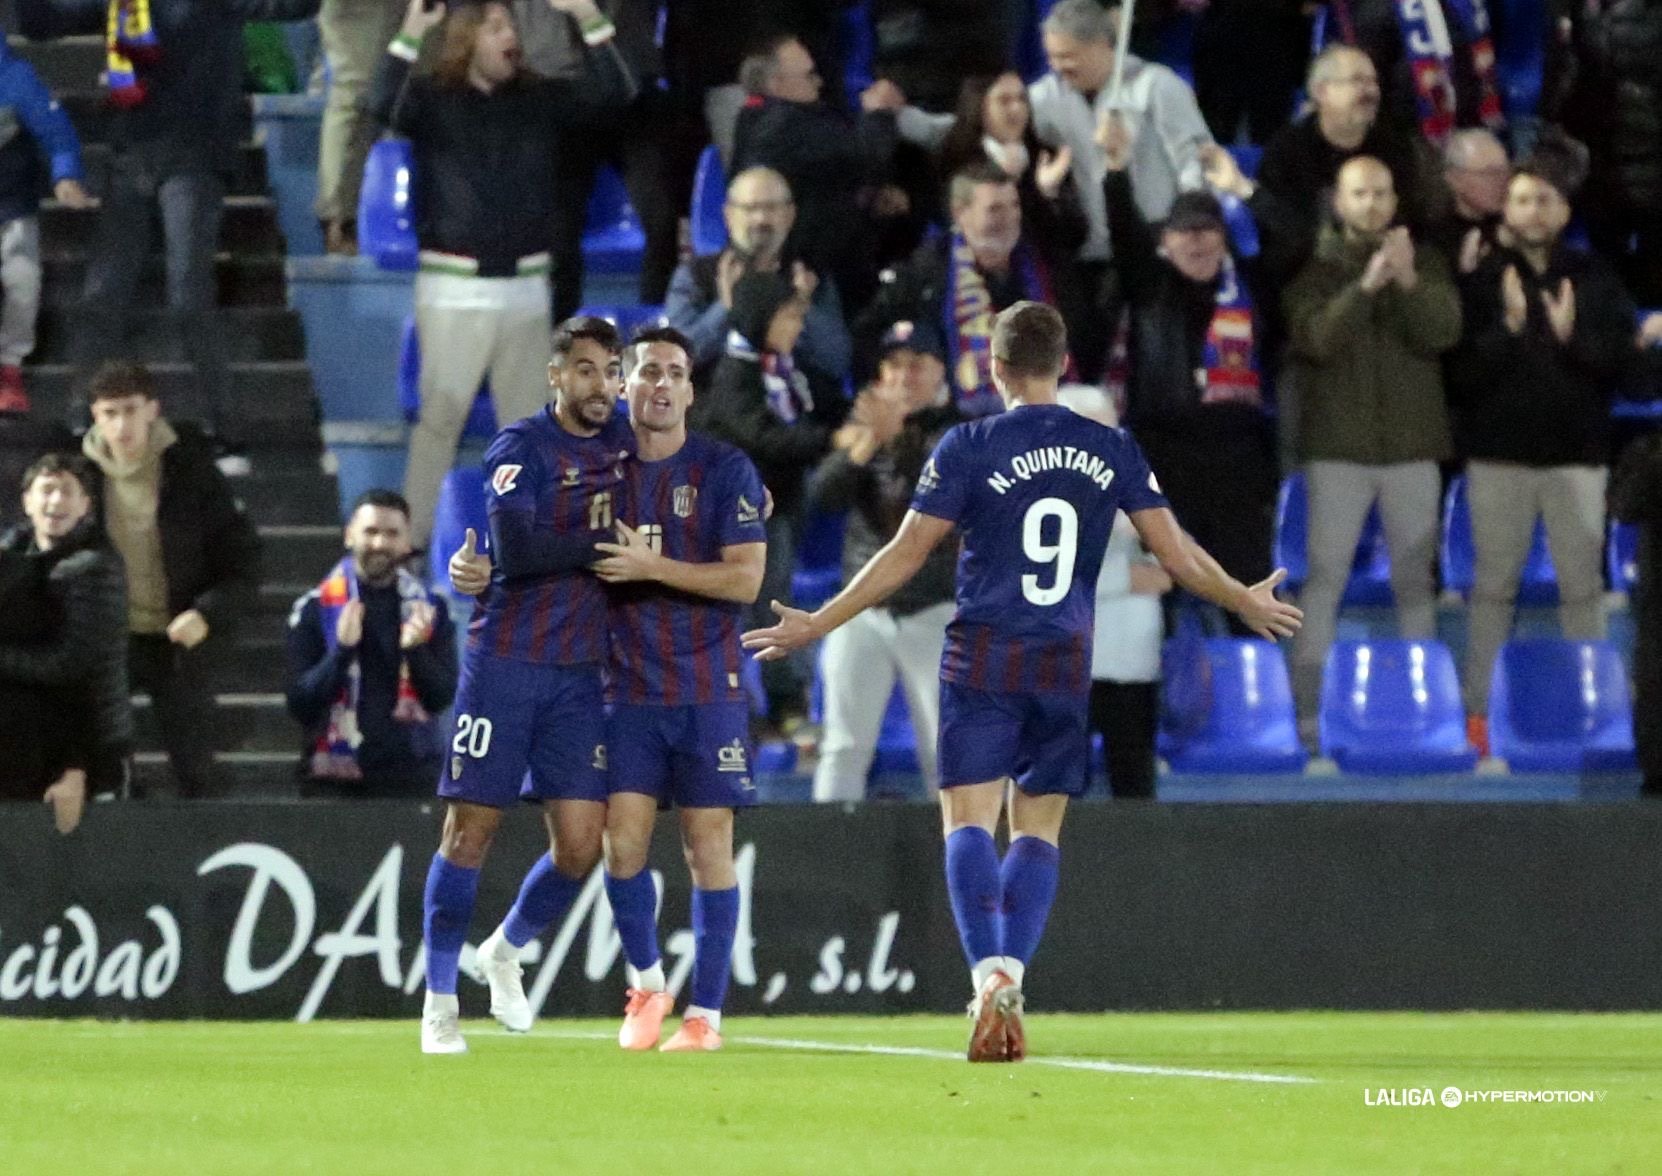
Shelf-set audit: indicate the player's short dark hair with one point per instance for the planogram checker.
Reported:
(656, 335)
(119, 379)
(964, 182)
(382, 498)
(585, 326)
(1030, 339)
(72, 464)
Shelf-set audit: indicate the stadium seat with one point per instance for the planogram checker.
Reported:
(859, 45)
(1521, 57)
(461, 505)
(1231, 707)
(1622, 556)
(1561, 706)
(1393, 708)
(1247, 157)
(386, 213)
(628, 319)
(612, 238)
(1538, 585)
(778, 755)
(709, 226)
(1370, 576)
(481, 420)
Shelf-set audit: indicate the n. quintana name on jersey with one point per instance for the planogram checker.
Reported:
(1055, 457)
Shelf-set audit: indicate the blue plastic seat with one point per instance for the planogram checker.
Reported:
(709, 196)
(1622, 556)
(1537, 585)
(1247, 157)
(1231, 706)
(1370, 575)
(1393, 708)
(1561, 706)
(628, 319)
(1521, 57)
(612, 235)
(386, 210)
(461, 505)
(481, 419)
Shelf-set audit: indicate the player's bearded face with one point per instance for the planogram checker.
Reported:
(586, 385)
(660, 388)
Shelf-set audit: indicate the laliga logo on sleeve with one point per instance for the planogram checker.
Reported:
(504, 478)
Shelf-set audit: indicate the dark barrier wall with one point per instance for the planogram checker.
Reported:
(297, 911)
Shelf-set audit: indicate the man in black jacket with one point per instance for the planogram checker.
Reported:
(1195, 396)
(760, 402)
(1636, 497)
(838, 170)
(63, 677)
(1548, 332)
(176, 131)
(372, 663)
(871, 473)
(192, 558)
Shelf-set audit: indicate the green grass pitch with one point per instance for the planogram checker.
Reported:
(1226, 1093)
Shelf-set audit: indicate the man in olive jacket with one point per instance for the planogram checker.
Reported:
(1369, 317)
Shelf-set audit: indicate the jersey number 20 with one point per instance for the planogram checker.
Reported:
(1061, 552)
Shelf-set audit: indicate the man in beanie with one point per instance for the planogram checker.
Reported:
(1548, 329)
(1370, 317)
(761, 402)
(1194, 398)
(877, 459)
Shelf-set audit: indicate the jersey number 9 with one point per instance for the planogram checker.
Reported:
(1061, 551)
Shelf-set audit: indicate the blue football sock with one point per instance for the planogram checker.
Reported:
(1029, 884)
(973, 884)
(715, 919)
(544, 897)
(635, 911)
(447, 908)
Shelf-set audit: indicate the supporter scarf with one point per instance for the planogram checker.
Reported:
(335, 754)
(1431, 53)
(1229, 357)
(788, 394)
(129, 44)
(967, 315)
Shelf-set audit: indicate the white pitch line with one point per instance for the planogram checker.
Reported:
(946, 1055)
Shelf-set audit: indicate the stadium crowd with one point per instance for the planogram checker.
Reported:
(1353, 261)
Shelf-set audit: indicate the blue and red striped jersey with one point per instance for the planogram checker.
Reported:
(1034, 492)
(569, 486)
(671, 648)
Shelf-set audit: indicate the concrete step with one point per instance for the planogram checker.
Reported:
(298, 553)
(93, 116)
(239, 722)
(278, 496)
(254, 662)
(242, 774)
(248, 177)
(66, 64)
(253, 334)
(248, 225)
(240, 280)
(268, 404)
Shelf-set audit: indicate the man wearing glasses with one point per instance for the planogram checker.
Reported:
(760, 214)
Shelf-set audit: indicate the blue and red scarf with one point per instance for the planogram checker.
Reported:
(1430, 52)
(130, 45)
(788, 395)
(967, 314)
(335, 754)
(1229, 357)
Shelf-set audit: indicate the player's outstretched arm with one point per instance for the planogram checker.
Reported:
(737, 576)
(884, 573)
(1192, 567)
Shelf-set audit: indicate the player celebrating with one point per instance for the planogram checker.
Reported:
(1033, 492)
(530, 694)
(678, 732)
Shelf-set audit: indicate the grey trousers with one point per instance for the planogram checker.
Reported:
(1341, 494)
(1505, 501)
(20, 275)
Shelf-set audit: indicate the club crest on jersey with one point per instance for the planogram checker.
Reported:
(747, 512)
(732, 758)
(504, 478)
(573, 476)
(683, 501)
